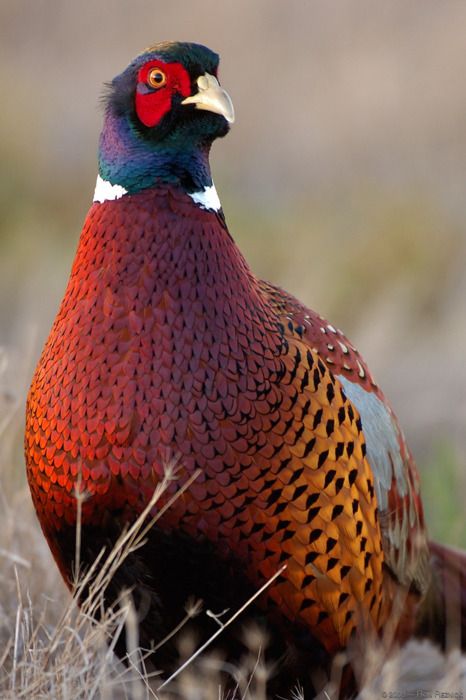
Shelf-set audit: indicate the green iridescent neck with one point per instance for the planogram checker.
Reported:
(125, 159)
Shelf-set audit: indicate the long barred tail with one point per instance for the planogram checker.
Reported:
(443, 615)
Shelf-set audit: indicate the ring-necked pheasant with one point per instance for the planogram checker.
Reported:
(167, 347)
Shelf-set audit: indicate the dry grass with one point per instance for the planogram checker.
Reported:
(51, 648)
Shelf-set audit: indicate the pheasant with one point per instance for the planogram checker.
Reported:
(167, 349)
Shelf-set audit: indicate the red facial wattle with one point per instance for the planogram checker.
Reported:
(153, 103)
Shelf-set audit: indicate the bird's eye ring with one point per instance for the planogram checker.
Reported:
(156, 78)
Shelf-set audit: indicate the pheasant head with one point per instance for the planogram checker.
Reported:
(162, 114)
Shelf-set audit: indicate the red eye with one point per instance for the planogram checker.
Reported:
(156, 78)
(157, 83)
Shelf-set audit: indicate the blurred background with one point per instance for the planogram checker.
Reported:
(342, 180)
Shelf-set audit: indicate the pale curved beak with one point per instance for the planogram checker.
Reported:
(212, 98)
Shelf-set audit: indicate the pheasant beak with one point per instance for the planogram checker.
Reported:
(212, 98)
